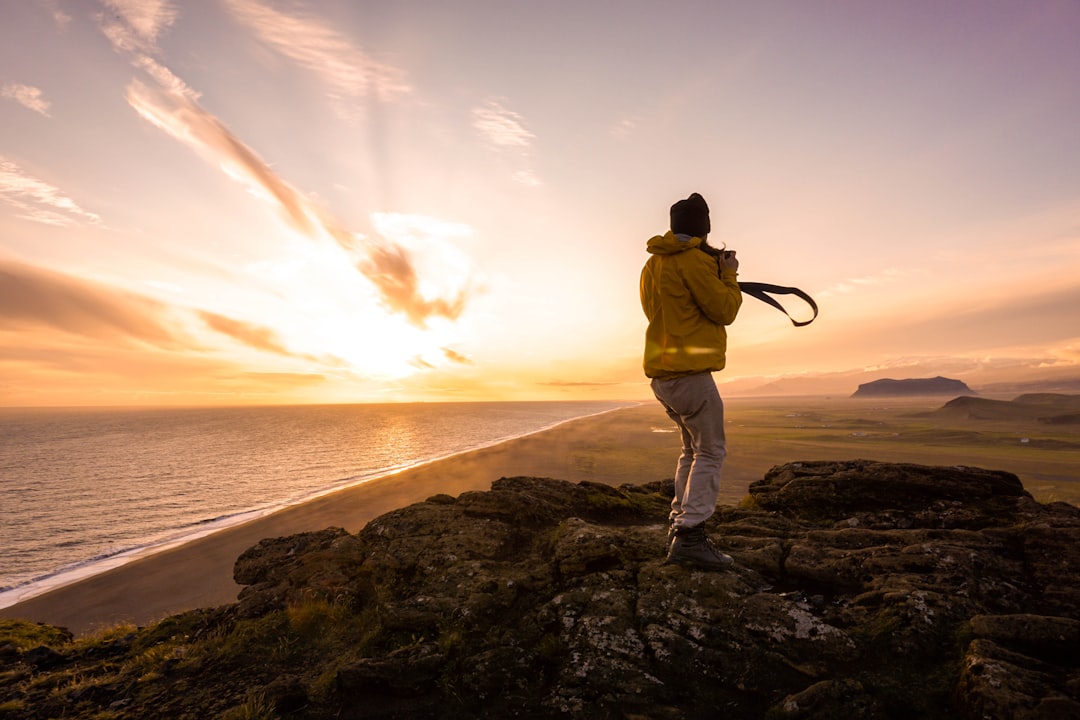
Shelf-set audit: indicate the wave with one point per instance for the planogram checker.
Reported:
(71, 573)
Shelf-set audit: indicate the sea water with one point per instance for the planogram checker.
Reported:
(83, 490)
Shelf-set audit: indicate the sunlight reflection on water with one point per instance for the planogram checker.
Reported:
(79, 485)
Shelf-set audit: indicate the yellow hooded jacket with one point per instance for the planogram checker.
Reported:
(688, 304)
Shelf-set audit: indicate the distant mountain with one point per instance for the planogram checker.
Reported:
(913, 386)
(1049, 408)
(988, 381)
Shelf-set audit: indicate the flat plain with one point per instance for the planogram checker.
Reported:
(634, 445)
(770, 431)
(640, 444)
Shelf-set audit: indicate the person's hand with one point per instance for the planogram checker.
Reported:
(728, 261)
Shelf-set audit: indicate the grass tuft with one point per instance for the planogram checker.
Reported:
(27, 635)
(255, 707)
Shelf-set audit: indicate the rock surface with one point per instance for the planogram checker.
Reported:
(861, 590)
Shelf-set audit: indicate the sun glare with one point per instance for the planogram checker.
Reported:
(328, 312)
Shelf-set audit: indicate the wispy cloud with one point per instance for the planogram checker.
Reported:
(39, 201)
(260, 337)
(624, 129)
(419, 263)
(527, 177)
(347, 72)
(388, 266)
(276, 380)
(500, 126)
(455, 356)
(61, 18)
(851, 285)
(393, 272)
(576, 383)
(505, 130)
(173, 107)
(181, 117)
(133, 29)
(28, 96)
(419, 362)
(31, 298)
(257, 336)
(147, 18)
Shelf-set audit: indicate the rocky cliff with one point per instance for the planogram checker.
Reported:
(861, 590)
(913, 387)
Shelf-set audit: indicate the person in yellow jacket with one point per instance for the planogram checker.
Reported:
(690, 294)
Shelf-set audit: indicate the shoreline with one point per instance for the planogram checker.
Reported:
(65, 576)
(633, 445)
(198, 573)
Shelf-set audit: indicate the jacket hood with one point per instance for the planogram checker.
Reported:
(669, 243)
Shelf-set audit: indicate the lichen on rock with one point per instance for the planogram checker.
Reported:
(860, 590)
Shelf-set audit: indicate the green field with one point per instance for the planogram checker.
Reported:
(640, 444)
(765, 432)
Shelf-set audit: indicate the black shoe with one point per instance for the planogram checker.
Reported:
(692, 548)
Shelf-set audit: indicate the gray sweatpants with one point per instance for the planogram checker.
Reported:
(694, 403)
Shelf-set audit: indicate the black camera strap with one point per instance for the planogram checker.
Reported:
(761, 292)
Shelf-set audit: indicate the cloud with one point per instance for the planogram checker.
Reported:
(500, 126)
(61, 18)
(422, 265)
(28, 96)
(39, 201)
(43, 370)
(147, 18)
(259, 337)
(505, 129)
(623, 129)
(419, 362)
(1039, 318)
(573, 383)
(173, 107)
(286, 379)
(347, 72)
(455, 356)
(527, 177)
(990, 324)
(850, 285)
(389, 267)
(32, 298)
(178, 115)
(133, 28)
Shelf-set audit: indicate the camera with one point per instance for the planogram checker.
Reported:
(720, 252)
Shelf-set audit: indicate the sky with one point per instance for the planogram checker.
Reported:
(219, 202)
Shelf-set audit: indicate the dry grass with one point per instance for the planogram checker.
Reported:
(767, 432)
(639, 444)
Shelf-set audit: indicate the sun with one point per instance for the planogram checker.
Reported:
(385, 346)
(328, 312)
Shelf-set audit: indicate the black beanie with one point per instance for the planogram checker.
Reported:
(690, 217)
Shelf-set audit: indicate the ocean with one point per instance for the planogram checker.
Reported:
(84, 490)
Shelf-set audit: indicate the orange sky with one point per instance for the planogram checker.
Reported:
(247, 201)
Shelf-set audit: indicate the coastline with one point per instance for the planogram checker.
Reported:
(614, 447)
(74, 573)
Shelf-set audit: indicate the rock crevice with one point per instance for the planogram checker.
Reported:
(860, 590)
